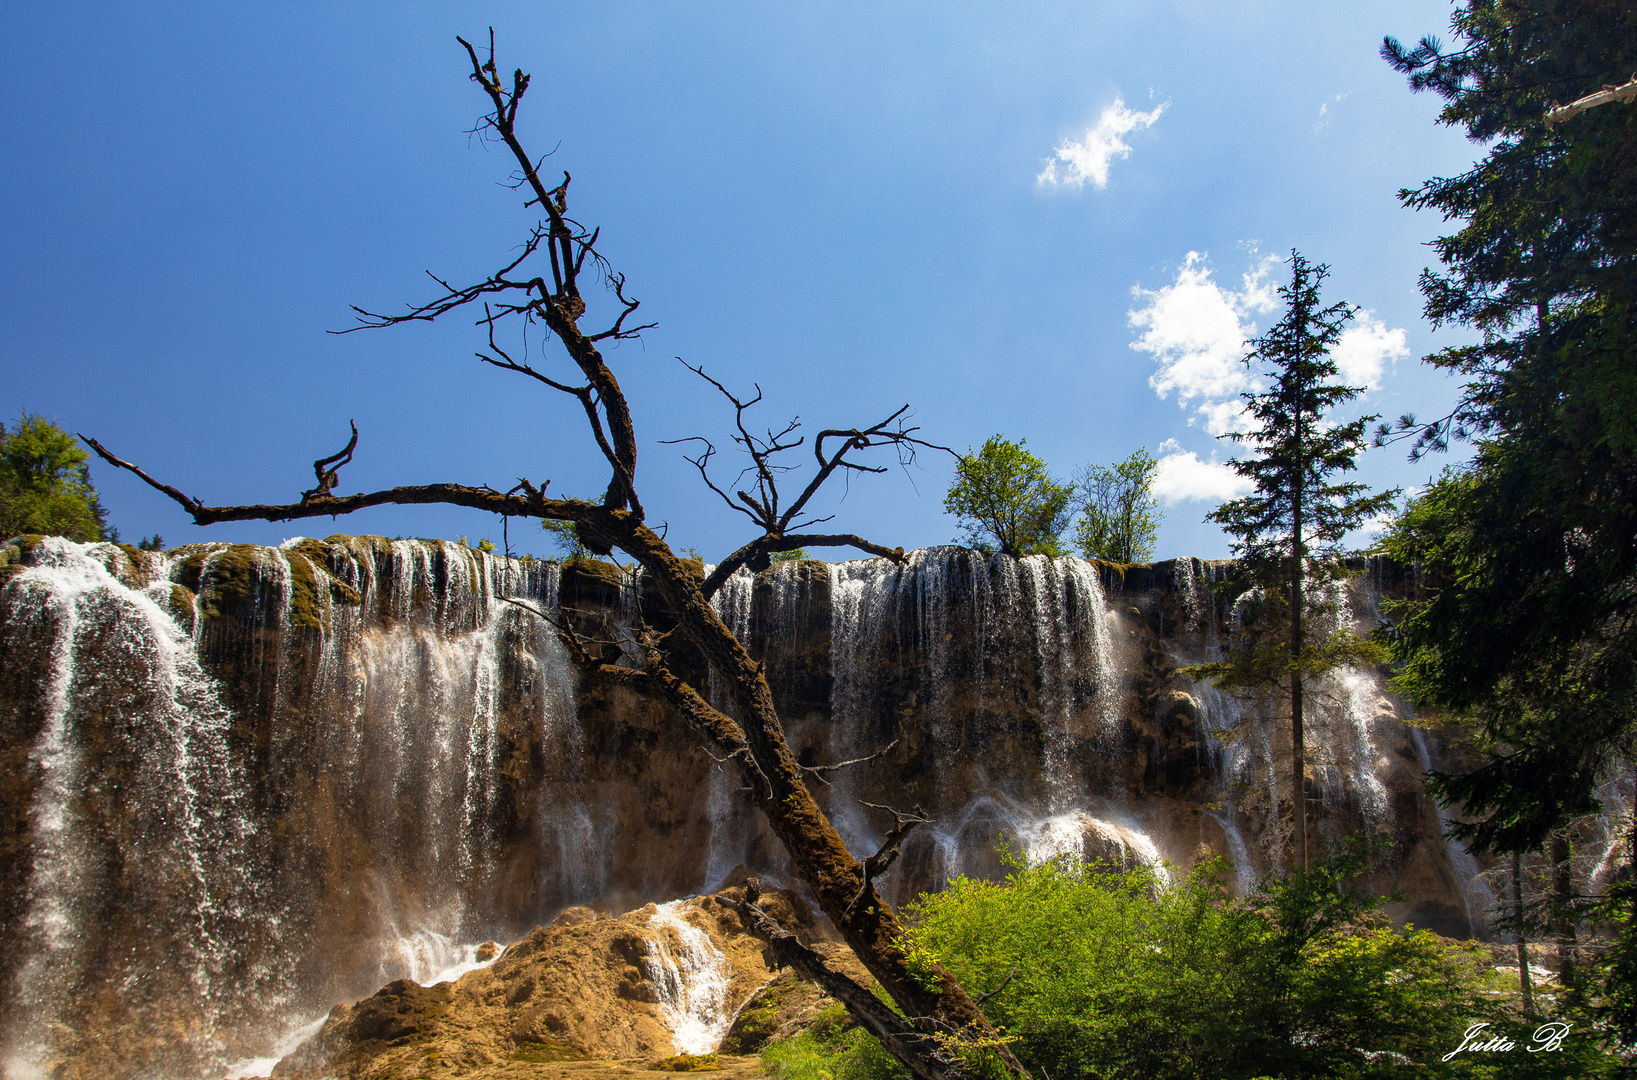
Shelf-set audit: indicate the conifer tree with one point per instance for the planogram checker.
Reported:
(1290, 528)
(1526, 625)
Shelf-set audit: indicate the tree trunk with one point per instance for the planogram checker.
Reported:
(1298, 757)
(820, 857)
(1562, 914)
(1524, 986)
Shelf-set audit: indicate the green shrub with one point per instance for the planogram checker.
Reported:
(832, 1049)
(1100, 971)
(45, 484)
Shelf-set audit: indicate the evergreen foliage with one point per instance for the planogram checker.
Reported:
(1007, 500)
(45, 483)
(1119, 516)
(1529, 623)
(1290, 528)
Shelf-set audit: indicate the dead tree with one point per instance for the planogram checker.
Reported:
(542, 286)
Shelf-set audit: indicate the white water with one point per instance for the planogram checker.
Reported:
(1475, 891)
(409, 717)
(1065, 836)
(691, 976)
(182, 797)
(880, 610)
(406, 705)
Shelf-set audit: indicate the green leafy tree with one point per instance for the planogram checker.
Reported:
(1007, 500)
(566, 537)
(1527, 625)
(45, 483)
(1291, 527)
(1119, 516)
(1303, 977)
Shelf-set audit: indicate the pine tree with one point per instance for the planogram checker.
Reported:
(1291, 527)
(1527, 625)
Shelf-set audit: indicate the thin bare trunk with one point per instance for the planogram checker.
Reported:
(1524, 986)
(1298, 756)
(1562, 910)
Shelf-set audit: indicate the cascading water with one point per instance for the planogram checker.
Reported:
(255, 782)
(1025, 647)
(173, 794)
(691, 977)
(250, 793)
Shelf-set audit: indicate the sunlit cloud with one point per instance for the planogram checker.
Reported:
(1197, 331)
(1326, 111)
(1366, 348)
(1077, 162)
(1182, 477)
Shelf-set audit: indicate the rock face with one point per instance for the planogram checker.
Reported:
(650, 984)
(239, 784)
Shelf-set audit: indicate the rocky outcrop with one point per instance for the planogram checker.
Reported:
(589, 986)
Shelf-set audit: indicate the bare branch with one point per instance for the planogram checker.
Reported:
(328, 469)
(1004, 983)
(819, 770)
(1626, 91)
(702, 463)
(887, 854)
(760, 548)
(485, 498)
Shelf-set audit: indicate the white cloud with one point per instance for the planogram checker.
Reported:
(1221, 417)
(1182, 476)
(1074, 163)
(1324, 111)
(1197, 331)
(1365, 349)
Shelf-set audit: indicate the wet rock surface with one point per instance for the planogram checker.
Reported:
(253, 782)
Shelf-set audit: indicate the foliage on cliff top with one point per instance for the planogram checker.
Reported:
(45, 483)
(1007, 500)
(1120, 517)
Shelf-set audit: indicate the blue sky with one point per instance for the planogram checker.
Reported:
(856, 205)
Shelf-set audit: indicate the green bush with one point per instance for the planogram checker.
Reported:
(1100, 971)
(832, 1049)
(1005, 498)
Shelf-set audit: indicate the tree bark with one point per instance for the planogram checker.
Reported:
(838, 881)
(1563, 919)
(1524, 982)
(1298, 755)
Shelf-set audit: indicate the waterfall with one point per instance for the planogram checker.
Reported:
(1025, 645)
(691, 977)
(175, 798)
(371, 696)
(255, 782)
